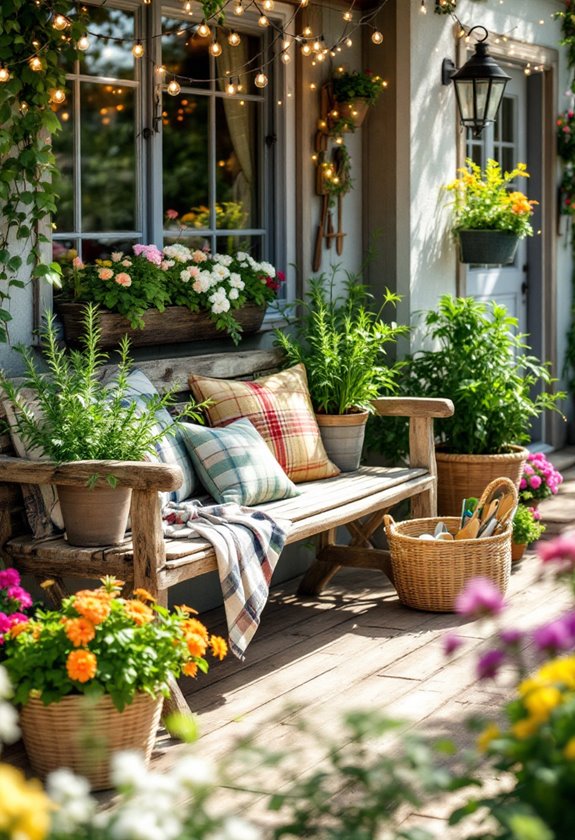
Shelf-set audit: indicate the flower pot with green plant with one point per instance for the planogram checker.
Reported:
(527, 528)
(489, 215)
(90, 677)
(353, 93)
(540, 480)
(342, 342)
(70, 414)
(477, 359)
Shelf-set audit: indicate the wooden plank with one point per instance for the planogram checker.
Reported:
(413, 407)
(147, 540)
(140, 475)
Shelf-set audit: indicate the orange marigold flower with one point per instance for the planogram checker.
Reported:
(93, 607)
(81, 665)
(139, 613)
(190, 669)
(16, 629)
(196, 644)
(80, 631)
(183, 608)
(219, 647)
(144, 595)
(195, 627)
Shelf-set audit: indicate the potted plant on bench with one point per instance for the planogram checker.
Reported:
(342, 343)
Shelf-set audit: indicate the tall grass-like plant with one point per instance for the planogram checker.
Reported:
(75, 416)
(342, 341)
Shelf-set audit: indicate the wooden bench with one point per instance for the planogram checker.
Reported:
(355, 500)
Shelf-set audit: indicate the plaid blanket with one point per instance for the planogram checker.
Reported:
(247, 544)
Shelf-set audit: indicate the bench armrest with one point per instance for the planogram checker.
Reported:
(139, 475)
(413, 407)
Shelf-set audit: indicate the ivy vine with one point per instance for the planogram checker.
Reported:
(29, 39)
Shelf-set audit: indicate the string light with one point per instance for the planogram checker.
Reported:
(239, 9)
(285, 57)
(348, 42)
(261, 79)
(423, 8)
(263, 21)
(234, 39)
(35, 63)
(268, 5)
(83, 43)
(231, 89)
(347, 16)
(174, 88)
(138, 50)
(307, 32)
(303, 3)
(58, 96)
(188, 7)
(306, 49)
(4, 73)
(60, 22)
(376, 36)
(203, 29)
(215, 49)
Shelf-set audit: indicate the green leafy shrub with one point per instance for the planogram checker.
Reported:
(526, 527)
(358, 84)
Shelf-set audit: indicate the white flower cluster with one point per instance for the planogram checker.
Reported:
(152, 805)
(9, 731)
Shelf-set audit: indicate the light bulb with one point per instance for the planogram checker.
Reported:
(261, 80)
(423, 8)
(376, 36)
(268, 5)
(215, 49)
(348, 42)
(307, 31)
(35, 63)
(83, 43)
(347, 16)
(316, 46)
(138, 49)
(306, 49)
(320, 57)
(60, 22)
(239, 9)
(285, 44)
(174, 88)
(263, 21)
(203, 30)
(285, 57)
(303, 3)
(233, 39)
(188, 7)
(231, 89)
(58, 96)
(4, 74)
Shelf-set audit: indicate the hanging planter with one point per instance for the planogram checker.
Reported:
(487, 247)
(353, 112)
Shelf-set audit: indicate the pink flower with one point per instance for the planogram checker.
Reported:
(479, 598)
(123, 279)
(560, 549)
(535, 481)
(172, 214)
(9, 577)
(16, 593)
(488, 665)
(105, 273)
(451, 643)
(199, 256)
(523, 484)
(116, 256)
(77, 263)
(150, 252)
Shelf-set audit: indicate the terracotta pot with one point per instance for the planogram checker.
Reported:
(82, 733)
(462, 476)
(97, 516)
(517, 551)
(174, 324)
(354, 111)
(342, 436)
(487, 247)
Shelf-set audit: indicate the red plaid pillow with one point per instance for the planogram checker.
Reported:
(280, 408)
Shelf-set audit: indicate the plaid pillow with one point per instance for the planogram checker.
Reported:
(280, 408)
(170, 449)
(235, 465)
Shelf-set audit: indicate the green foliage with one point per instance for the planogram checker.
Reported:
(27, 163)
(79, 417)
(341, 341)
(100, 643)
(479, 362)
(357, 84)
(485, 200)
(526, 529)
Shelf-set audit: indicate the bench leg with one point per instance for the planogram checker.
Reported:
(424, 505)
(321, 571)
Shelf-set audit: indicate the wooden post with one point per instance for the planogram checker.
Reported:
(422, 454)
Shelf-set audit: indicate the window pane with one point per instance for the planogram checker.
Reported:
(186, 159)
(184, 55)
(237, 140)
(108, 164)
(252, 245)
(109, 58)
(63, 147)
(188, 238)
(507, 119)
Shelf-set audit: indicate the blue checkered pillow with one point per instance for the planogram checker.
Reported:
(171, 448)
(235, 464)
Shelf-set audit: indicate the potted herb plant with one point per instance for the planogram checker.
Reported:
(95, 672)
(490, 216)
(341, 341)
(527, 528)
(479, 361)
(70, 415)
(353, 93)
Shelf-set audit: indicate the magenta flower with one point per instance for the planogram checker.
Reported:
(479, 598)
(510, 636)
(150, 252)
(451, 642)
(9, 577)
(535, 481)
(22, 598)
(556, 636)
(489, 664)
(560, 549)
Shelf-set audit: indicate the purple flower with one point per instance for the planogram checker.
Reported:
(451, 642)
(480, 597)
(535, 481)
(9, 577)
(510, 636)
(562, 548)
(488, 665)
(556, 636)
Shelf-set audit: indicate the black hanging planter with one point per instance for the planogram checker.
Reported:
(487, 247)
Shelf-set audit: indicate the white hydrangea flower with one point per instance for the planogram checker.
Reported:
(127, 768)
(72, 794)
(5, 685)
(166, 264)
(223, 259)
(234, 294)
(136, 823)
(194, 271)
(220, 271)
(64, 784)
(193, 771)
(242, 257)
(9, 730)
(178, 252)
(236, 281)
(268, 268)
(185, 275)
(219, 301)
(203, 282)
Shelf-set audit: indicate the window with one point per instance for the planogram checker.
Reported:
(140, 165)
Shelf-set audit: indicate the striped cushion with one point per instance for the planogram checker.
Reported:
(280, 408)
(170, 449)
(235, 465)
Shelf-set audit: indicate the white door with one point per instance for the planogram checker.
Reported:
(505, 142)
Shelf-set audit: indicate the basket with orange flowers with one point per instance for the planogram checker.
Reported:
(91, 676)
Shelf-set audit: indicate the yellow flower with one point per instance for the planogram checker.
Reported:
(569, 751)
(139, 613)
(190, 669)
(541, 701)
(24, 807)
(560, 671)
(144, 595)
(219, 647)
(525, 728)
(487, 736)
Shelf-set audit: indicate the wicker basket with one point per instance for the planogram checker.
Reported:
(462, 476)
(429, 574)
(82, 733)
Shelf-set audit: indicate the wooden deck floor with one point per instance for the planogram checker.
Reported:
(356, 647)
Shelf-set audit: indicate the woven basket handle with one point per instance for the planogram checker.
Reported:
(389, 523)
(497, 487)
